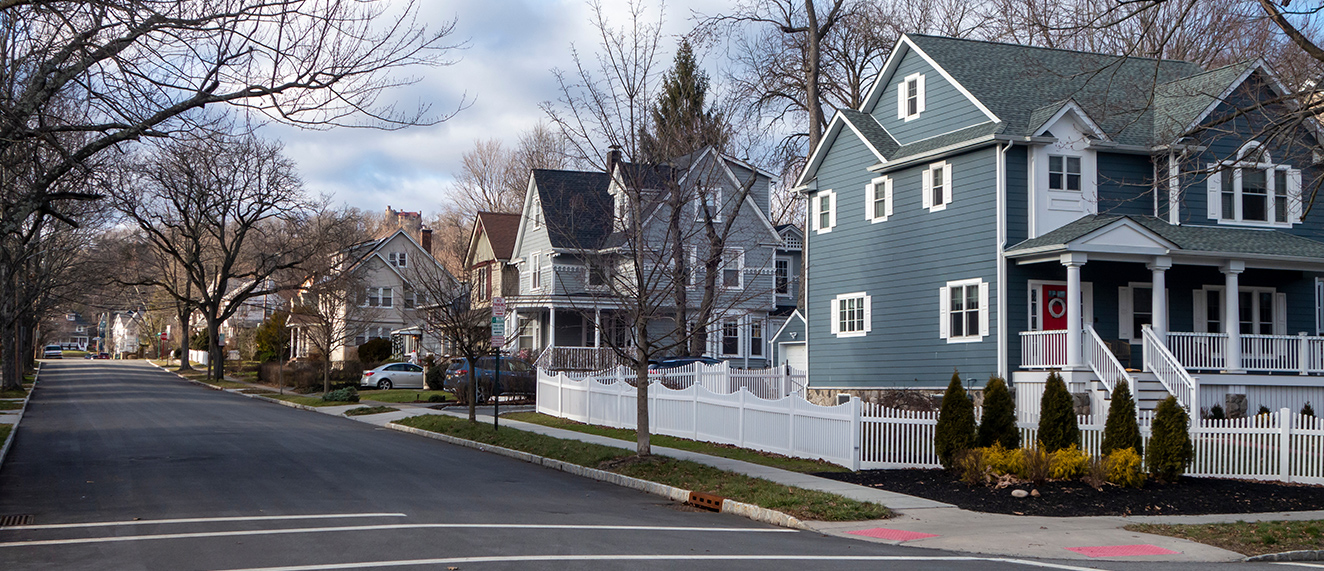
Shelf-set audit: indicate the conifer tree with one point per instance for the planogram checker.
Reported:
(1057, 416)
(681, 122)
(1121, 430)
(956, 423)
(998, 425)
(1170, 448)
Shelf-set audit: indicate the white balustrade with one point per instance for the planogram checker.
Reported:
(1043, 349)
(1199, 351)
(1170, 373)
(1104, 364)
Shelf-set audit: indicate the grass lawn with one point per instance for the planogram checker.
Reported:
(774, 460)
(11, 404)
(4, 432)
(15, 394)
(74, 354)
(365, 410)
(804, 504)
(403, 395)
(1246, 538)
(308, 401)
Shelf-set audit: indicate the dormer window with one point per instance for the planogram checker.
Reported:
(910, 97)
(1255, 190)
(1063, 173)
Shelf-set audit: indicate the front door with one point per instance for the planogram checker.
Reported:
(1054, 312)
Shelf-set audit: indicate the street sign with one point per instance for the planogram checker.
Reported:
(498, 307)
(163, 335)
(498, 332)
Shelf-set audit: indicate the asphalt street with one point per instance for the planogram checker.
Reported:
(123, 466)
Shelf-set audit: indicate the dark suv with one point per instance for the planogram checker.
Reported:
(518, 377)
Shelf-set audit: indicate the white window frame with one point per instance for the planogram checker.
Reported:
(738, 254)
(945, 311)
(1126, 310)
(1231, 172)
(1066, 173)
(881, 185)
(387, 297)
(903, 97)
(536, 207)
(927, 185)
(713, 198)
(778, 275)
(846, 327)
(721, 337)
(817, 212)
(535, 271)
(756, 342)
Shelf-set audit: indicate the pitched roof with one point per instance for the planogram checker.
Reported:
(1190, 238)
(1179, 103)
(576, 207)
(873, 133)
(501, 229)
(1014, 81)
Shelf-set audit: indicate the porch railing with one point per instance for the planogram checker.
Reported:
(1301, 354)
(578, 359)
(1170, 373)
(1044, 349)
(1104, 363)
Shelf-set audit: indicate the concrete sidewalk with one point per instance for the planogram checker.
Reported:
(926, 523)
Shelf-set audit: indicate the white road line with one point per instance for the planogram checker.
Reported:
(82, 540)
(529, 558)
(197, 520)
(1299, 564)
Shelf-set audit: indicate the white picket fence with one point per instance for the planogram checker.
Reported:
(765, 410)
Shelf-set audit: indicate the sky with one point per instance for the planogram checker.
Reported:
(504, 74)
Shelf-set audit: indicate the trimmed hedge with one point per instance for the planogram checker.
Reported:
(1170, 448)
(347, 394)
(956, 423)
(1057, 416)
(998, 425)
(1121, 430)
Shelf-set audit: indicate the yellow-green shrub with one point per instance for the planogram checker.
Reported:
(1002, 460)
(1124, 468)
(1034, 464)
(970, 466)
(1068, 463)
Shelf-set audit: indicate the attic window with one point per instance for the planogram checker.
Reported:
(910, 97)
(397, 259)
(1063, 173)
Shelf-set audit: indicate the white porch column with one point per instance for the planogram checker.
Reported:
(1160, 298)
(1073, 262)
(597, 327)
(1232, 306)
(512, 329)
(551, 327)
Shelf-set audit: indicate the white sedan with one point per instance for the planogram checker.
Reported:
(394, 376)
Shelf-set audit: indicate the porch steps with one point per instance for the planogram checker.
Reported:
(1148, 392)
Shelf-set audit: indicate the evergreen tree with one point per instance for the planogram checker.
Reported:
(1057, 416)
(998, 425)
(956, 423)
(681, 124)
(1308, 410)
(1170, 448)
(1121, 430)
(272, 338)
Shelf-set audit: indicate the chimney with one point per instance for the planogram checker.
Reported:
(613, 157)
(426, 239)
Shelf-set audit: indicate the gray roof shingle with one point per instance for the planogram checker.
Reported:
(576, 207)
(874, 133)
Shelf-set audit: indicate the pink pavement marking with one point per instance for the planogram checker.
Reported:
(1122, 550)
(891, 534)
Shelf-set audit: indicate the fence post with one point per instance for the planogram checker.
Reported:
(694, 392)
(855, 433)
(1285, 444)
(740, 429)
(790, 425)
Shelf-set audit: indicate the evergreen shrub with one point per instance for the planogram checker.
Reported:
(1170, 448)
(998, 425)
(1124, 468)
(1263, 410)
(1216, 412)
(347, 394)
(375, 350)
(1308, 410)
(1121, 430)
(1057, 416)
(956, 423)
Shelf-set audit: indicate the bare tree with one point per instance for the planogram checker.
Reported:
(230, 211)
(445, 313)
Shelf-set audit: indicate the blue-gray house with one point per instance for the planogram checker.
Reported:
(1005, 209)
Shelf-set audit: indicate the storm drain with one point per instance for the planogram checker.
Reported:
(706, 501)
(12, 520)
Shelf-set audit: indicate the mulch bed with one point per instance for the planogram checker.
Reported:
(1189, 496)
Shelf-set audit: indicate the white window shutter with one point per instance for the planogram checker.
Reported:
(944, 319)
(868, 313)
(1215, 194)
(920, 106)
(1125, 319)
(814, 205)
(832, 210)
(887, 186)
(983, 309)
(870, 194)
(834, 316)
(1201, 307)
(1280, 313)
(926, 179)
(947, 194)
(901, 100)
(1294, 210)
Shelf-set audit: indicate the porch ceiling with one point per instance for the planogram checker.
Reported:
(1140, 238)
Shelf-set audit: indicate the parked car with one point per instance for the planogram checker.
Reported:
(518, 377)
(394, 376)
(53, 352)
(673, 362)
(102, 355)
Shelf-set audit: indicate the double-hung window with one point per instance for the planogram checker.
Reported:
(397, 259)
(731, 337)
(824, 211)
(1063, 173)
(937, 185)
(851, 314)
(710, 200)
(782, 270)
(878, 199)
(963, 311)
(535, 271)
(910, 97)
(733, 268)
(1254, 190)
(386, 297)
(755, 338)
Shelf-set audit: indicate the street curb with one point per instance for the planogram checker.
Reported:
(1304, 555)
(13, 430)
(672, 493)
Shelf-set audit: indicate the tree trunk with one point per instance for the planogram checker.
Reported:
(185, 340)
(811, 78)
(473, 390)
(215, 368)
(326, 371)
(643, 428)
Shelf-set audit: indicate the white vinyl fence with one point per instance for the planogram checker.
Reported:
(728, 406)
